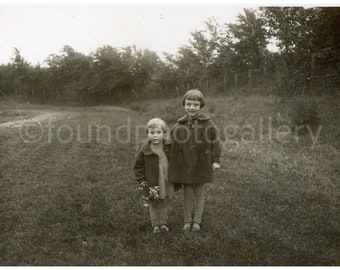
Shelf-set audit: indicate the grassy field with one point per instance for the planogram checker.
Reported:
(68, 196)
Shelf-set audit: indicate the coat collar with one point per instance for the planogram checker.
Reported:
(146, 149)
(200, 117)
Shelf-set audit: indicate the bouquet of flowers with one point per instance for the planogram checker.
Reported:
(148, 194)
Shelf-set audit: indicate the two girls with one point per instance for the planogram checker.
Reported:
(194, 153)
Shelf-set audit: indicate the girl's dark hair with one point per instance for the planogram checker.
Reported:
(194, 94)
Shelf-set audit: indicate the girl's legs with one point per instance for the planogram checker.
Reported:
(188, 202)
(163, 211)
(153, 209)
(189, 192)
(159, 212)
(199, 202)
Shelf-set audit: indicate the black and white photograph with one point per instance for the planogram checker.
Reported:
(169, 134)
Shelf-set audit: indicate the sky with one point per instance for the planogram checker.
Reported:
(39, 29)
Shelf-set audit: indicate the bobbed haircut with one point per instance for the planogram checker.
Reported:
(196, 95)
(156, 122)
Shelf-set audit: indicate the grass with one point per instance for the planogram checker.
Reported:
(273, 202)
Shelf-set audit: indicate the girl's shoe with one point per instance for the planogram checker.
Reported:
(196, 227)
(187, 226)
(164, 228)
(156, 230)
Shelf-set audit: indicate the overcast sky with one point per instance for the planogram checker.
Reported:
(39, 30)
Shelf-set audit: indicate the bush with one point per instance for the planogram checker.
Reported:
(304, 112)
(136, 106)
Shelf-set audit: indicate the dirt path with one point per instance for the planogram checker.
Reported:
(38, 118)
(46, 115)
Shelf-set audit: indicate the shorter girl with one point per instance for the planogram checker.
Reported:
(151, 166)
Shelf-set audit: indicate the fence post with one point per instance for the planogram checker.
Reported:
(224, 83)
(312, 72)
(249, 78)
(235, 80)
(265, 76)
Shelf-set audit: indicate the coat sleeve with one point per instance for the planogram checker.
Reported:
(215, 143)
(139, 168)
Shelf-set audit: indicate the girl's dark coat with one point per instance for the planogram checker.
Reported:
(146, 166)
(193, 151)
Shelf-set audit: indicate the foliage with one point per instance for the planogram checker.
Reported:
(327, 34)
(228, 58)
(302, 36)
(304, 112)
(249, 39)
(148, 194)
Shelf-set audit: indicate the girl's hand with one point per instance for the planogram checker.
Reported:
(143, 184)
(216, 166)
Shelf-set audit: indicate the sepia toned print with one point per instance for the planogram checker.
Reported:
(169, 135)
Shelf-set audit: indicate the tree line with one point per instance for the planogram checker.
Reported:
(221, 58)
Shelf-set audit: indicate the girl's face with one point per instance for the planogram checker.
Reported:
(156, 135)
(192, 107)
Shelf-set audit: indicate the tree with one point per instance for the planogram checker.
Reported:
(68, 71)
(294, 29)
(165, 77)
(189, 67)
(21, 68)
(143, 68)
(249, 38)
(205, 45)
(110, 74)
(326, 36)
(249, 44)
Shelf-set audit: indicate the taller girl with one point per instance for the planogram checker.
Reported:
(195, 153)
